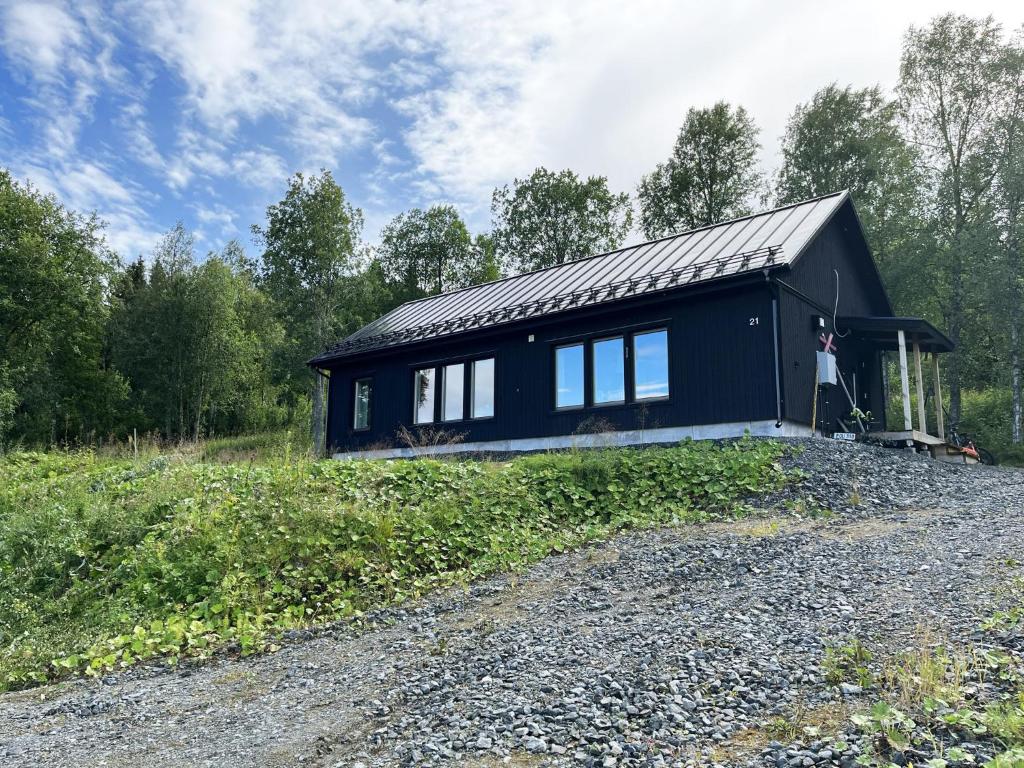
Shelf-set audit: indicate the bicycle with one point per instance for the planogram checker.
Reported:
(969, 448)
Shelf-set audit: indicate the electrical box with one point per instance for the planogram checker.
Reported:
(827, 375)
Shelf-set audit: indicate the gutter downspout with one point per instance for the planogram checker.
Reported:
(775, 345)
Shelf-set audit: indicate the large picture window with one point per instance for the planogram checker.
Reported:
(569, 376)
(453, 386)
(650, 365)
(482, 384)
(361, 410)
(609, 371)
(423, 391)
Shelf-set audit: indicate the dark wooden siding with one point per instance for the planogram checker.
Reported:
(721, 369)
(807, 291)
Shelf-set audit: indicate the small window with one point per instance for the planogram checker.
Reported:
(454, 388)
(482, 405)
(569, 376)
(361, 411)
(650, 364)
(609, 371)
(424, 394)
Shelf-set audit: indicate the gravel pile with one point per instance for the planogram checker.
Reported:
(672, 647)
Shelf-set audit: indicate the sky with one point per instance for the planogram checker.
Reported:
(155, 111)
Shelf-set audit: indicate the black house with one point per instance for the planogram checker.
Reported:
(703, 334)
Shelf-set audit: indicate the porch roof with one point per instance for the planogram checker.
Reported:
(881, 331)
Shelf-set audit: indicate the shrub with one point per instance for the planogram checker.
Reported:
(986, 416)
(104, 562)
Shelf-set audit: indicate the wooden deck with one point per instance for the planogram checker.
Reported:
(937, 447)
(921, 438)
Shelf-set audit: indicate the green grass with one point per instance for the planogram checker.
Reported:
(106, 561)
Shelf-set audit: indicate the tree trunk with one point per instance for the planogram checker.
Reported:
(199, 418)
(318, 415)
(1018, 407)
(955, 326)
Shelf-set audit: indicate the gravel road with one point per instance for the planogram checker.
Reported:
(667, 647)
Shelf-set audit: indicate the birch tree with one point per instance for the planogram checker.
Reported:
(958, 97)
(711, 175)
(311, 242)
(551, 218)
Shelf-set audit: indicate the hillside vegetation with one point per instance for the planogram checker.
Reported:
(104, 562)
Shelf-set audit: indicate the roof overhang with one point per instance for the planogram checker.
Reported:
(882, 332)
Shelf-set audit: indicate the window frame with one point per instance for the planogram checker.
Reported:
(583, 345)
(417, 369)
(594, 402)
(443, 392)
(355, 404)
(439, 368)
(628, 334)
(668, 365)
(471, 389)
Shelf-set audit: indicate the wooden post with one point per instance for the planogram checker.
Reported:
(940, 419)
(901, 339)
(922, 420)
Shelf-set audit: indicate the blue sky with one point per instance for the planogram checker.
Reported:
(158, 110)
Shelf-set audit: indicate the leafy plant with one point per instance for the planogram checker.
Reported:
(848, 663)
(107, 562)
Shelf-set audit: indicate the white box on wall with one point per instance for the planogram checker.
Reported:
(827, 369)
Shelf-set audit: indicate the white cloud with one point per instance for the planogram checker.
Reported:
(299, 62)
(603, 87)
(260, 168)
(40, 36)
(486, 90)
(88, 187)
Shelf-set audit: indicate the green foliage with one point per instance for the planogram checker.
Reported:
(848, 663)
(428, 252)
(103, 562)
(309, 268)
(54, 267)
(711, 176)
(551, 218)
(984, 417)
(196, 342)
(960, 87)
(847, 138)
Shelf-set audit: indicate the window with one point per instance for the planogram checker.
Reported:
(650, 365)
(361, 411)
(424, 396)
(482, 383)
(609, 371)
(453, 386)
(569, 376)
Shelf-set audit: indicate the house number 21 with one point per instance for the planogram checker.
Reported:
(755, 321)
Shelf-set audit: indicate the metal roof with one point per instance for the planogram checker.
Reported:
(772, 238)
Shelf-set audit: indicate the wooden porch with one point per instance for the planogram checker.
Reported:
(916, 340)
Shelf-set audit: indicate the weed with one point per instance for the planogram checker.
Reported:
(848, 663)
(104, 562)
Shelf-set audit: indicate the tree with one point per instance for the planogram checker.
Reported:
(958, 97)
(711, 176)
(311, 243)
(1008, 280)
(485, 260)
(54, 269)
(851, 139)
(195, 341)
(551, 218)
(427, 252)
